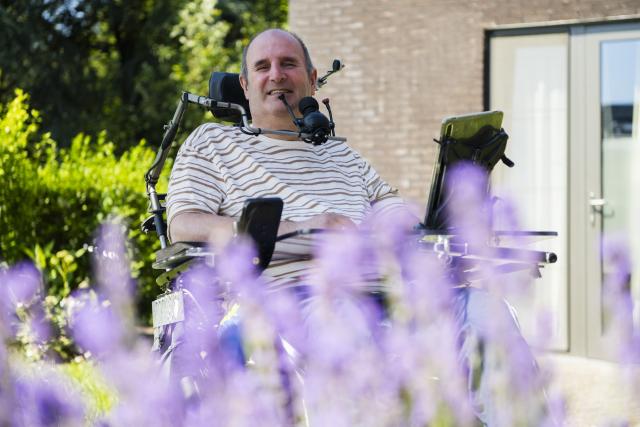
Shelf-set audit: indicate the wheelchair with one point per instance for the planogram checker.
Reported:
(477, 138)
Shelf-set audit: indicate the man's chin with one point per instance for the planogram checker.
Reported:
(278, 108)
(276, 102)
(275, 116)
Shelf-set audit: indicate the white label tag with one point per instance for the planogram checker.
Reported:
(168, 309)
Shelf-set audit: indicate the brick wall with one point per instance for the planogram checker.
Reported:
(409, 63)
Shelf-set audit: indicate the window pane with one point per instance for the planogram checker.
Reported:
(529, 83)
(620, 145)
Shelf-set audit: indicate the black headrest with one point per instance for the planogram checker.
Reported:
(226, 87)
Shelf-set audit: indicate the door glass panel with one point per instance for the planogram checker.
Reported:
(620, 151)
(529, 84)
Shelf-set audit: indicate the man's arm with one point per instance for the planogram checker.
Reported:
(205, 227)
(394, 212)
(201, 227)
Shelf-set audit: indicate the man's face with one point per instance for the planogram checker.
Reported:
(276, 65)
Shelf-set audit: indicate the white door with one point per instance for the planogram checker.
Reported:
(606, 136)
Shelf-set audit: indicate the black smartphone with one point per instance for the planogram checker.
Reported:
(260, 220)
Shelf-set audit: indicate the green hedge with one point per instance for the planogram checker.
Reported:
(52, 201)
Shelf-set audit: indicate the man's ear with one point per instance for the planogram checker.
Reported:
(314, 81)
(245, 86)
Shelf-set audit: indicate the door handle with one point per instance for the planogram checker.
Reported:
(597, 206)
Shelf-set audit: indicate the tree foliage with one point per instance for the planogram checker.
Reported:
(119, 66)
(106, 75)
(101, 76)
(53, 199)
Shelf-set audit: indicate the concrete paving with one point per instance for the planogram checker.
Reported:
(596, 392)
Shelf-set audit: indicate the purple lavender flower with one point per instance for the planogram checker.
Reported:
(38, 325)
(469, 207)
(42, 401)
(111, 267)
(342, 356)
(144, 396)
(97, 329)
(19, 287)
(617, 299)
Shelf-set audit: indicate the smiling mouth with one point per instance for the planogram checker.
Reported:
(278, 91)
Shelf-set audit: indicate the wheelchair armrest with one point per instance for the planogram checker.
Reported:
(259, 220)
(178, 253)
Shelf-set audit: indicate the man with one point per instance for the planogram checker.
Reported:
(210, 182)
(326, 186)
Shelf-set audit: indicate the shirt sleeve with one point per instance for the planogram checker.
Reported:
(377, 188)
(196, 183)
(384, 199)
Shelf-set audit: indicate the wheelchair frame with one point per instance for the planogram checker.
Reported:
(226, 101)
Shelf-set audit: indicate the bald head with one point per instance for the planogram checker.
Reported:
(303, 47)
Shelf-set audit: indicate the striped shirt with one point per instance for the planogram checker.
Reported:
(219, 167)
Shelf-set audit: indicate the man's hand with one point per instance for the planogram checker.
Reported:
(330, 221)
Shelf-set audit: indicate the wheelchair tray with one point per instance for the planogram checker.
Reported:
(498, 236)
(180, 252)
(451, 243)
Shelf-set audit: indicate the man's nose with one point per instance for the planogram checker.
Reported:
(277, 74)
